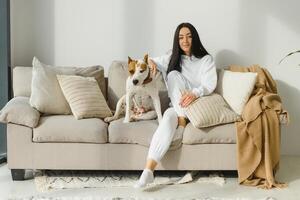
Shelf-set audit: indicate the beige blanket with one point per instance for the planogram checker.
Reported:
(258, 134)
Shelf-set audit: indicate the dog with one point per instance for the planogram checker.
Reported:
(141, 101)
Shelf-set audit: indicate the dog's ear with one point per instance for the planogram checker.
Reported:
(129, 60)
(146, 58)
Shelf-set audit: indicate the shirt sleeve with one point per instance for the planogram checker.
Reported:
(162, 62)
(208, 77)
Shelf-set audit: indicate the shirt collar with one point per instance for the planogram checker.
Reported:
(185, 57)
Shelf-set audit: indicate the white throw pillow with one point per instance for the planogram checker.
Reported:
(46, 95)
(236, 88)
(84, 96)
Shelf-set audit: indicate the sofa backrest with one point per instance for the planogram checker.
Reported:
(22, 77)
(117, 75)
(22, 81)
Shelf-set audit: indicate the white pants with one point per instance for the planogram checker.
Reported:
(164, 134)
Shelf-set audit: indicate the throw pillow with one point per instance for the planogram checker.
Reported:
(19, 111)
(46, 95)
(236, 88)
(84, 96)
(210, 111)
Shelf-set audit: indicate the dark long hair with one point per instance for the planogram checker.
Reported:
(197, 48)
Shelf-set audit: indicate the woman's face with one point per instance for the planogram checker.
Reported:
(185, 40)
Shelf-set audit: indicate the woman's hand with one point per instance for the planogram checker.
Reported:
(153, 66)
(187, 98)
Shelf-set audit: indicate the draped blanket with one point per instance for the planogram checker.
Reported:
(258, 134)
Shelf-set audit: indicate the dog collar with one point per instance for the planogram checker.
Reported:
(148, 79)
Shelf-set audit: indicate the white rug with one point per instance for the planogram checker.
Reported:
(52, 180)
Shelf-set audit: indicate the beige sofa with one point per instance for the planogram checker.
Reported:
(62, 142)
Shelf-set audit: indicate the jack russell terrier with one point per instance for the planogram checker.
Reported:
(141, 101)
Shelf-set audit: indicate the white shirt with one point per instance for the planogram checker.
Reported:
(200, 72)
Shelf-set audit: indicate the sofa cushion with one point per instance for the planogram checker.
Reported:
(45, 89)
(236, 88)
(65, 128)
(209, 111)
(84, 96)
(221, 134)
(19, 111)
(117, 76)
(136, 133)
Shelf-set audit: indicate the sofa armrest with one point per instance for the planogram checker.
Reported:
(20, 148)
(19, 111)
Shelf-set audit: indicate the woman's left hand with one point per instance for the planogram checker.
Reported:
(187, 98)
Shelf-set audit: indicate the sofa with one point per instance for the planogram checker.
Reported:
(61, 142)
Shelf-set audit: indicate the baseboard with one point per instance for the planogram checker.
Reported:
(3, 158)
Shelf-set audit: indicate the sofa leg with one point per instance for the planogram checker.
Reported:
(18, 174)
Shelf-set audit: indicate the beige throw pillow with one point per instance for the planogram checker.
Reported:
(84, 96)
(209, 111)
(236, 88)
(19, 111)
(46, 95)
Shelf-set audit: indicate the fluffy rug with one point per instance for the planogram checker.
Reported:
(51, 180)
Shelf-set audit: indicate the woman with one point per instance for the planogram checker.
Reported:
(189, 72)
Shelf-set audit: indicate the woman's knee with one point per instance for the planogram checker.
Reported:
(170, 114)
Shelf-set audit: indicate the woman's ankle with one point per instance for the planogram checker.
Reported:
(151, 164)
(182, 121)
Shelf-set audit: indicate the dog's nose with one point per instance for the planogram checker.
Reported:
(135, 81)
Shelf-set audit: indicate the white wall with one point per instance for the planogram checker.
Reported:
(87, 32)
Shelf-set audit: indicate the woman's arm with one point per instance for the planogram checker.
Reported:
(161, 62)
(208, 78)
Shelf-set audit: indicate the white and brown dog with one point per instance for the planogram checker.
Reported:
(141, 101)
